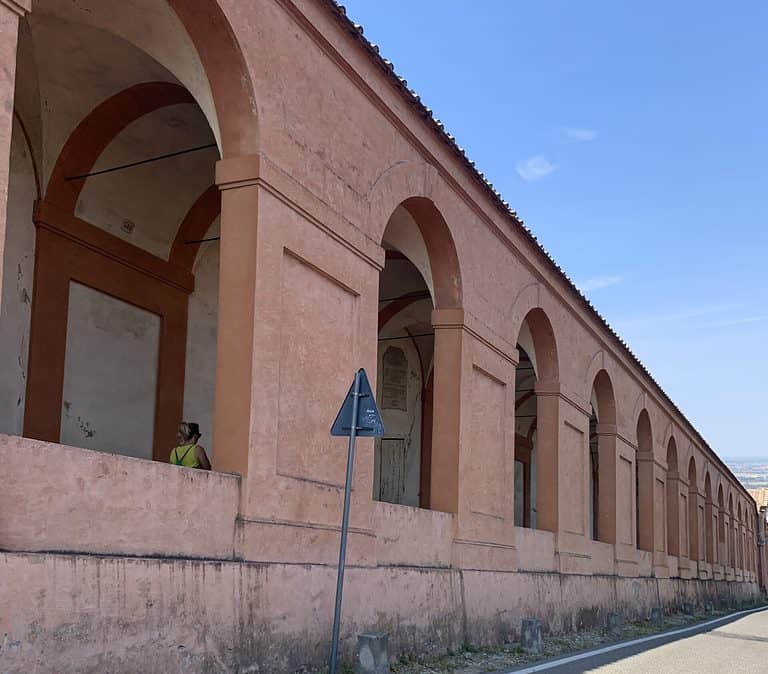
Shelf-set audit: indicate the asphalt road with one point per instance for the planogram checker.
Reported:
(735, 647)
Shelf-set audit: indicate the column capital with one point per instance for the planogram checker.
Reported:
(235, 172)
(448, 318)
(19, 7)
(607, 429)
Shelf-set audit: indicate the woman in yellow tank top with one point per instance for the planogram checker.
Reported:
(188, 453)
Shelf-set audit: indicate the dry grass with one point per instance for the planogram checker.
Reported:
(473, 660)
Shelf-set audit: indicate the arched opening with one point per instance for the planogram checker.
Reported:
(733, 532)
(644, 507)
(693, 512)
(602, 460)
(535, 424)
(417, 367)
(709, 523)
(109, 328)
(739, 539)
(721, 539)
(673, 499)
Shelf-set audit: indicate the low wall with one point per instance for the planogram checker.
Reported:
(57, 498)
(78, 613)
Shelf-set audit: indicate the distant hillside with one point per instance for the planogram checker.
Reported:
(753, 473)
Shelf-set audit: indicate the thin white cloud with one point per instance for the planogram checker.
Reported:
(574, 135)
(597, 283)
(738, 321)
(535, 168)
(683, 315)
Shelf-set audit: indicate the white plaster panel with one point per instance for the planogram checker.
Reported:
(110, 374)
(18, 271)
(200, 377)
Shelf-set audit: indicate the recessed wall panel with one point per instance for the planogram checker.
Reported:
(318, 325)
(487, 466)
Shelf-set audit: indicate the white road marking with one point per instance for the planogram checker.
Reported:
(544, 666)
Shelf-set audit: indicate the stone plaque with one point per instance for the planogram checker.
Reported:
(394, 385)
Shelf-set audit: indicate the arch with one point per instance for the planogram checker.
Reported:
(739, 536)
(602, 454)
(196, 223)
(227, 71)
(544, 345)
(672, 465)
(535, 341)
(673, 499)
(721, 540)
(443, 259)
(436, 261)
(709, 549)
(606, 400)
(644, 501)
(732, 533)
(694, 548)
(92, 135)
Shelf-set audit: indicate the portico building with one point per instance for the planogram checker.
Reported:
(217, 211)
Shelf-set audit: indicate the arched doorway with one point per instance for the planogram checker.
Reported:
(417, 366)
(644, 504)
(536, 424)
(694, 548)
(602, 460)
(709, 524)
(722, 556)
(673, 499)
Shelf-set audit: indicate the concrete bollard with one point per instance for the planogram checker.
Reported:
(614, 622)
(657, 616)
(688, 608)
(530, 635)
(372, 653)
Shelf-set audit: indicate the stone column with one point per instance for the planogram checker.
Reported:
(547, 448)
(673, 513)
(10, 13)
(607, 467)
(645, 501)
(449, 338)
(659, 521)
(483, 380)
(237, 179)
(694, 531)
(709, 531)
(298, 315)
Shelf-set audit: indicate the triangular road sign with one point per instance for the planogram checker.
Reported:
(369, 423)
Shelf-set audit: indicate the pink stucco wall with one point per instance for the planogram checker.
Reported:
(79, 613)
(67, 499)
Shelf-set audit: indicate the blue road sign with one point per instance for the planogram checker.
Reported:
(369, 423)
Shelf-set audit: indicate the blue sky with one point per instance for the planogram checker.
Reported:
(632, 137)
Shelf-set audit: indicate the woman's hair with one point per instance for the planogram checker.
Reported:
(189, 430)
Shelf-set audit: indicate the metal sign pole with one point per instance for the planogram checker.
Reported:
(345, 523)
